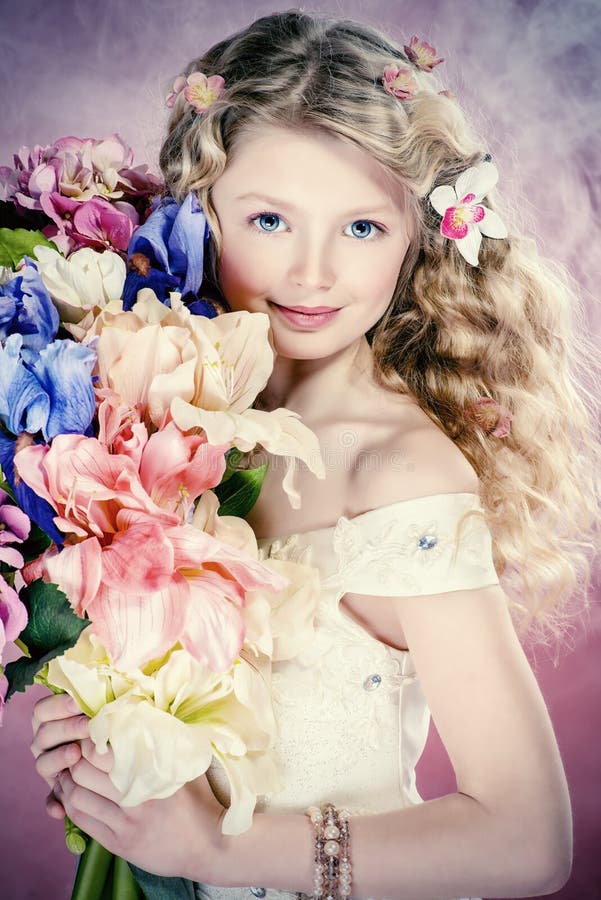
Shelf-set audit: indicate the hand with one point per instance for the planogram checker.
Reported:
(179, 835)
(58, 727)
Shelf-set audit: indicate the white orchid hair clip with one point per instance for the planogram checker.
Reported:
(464, 219)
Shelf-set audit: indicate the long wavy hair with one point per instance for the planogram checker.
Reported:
(511, 329)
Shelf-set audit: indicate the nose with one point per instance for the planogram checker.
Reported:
(312, 265)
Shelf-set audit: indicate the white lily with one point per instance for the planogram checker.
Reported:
(85, 281)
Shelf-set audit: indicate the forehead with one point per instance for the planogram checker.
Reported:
(307, 165)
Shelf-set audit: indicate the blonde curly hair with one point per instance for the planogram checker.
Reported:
(512, 328)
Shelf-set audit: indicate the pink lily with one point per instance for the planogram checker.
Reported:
(85, 484)
(194, 466)
(145, 580)
(120, 426)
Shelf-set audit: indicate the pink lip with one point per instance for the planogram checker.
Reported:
(311, 310)
(307, 318)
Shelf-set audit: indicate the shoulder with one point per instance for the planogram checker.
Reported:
(416, 459)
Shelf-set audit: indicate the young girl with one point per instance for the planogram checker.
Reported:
(430, 350)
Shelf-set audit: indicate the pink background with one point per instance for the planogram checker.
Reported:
(530, 73)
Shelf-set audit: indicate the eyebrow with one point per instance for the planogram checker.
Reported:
(282, 204)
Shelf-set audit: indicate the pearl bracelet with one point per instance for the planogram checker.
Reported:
(332, 873)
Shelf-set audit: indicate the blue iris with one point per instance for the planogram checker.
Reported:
(167, 254)
(268, 216)
(364, 223)
(26, 309)
(45, 384)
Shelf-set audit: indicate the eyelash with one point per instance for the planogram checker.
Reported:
(379, 230)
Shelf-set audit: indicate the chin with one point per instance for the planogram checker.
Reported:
(308, 345)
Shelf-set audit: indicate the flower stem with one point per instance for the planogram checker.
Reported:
(93, 872)
(125, 886)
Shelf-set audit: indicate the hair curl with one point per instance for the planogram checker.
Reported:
(512, 329)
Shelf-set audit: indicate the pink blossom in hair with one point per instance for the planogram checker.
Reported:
(201, 91)
(422, 54)
(399, 81)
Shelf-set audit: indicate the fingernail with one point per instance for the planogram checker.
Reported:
(73, 706)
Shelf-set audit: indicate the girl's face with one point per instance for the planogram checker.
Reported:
(309, 221)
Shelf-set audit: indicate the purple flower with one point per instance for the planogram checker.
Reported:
(13, 619)
(89, 223)
(167, 252)
(13, 615)
(14, 529)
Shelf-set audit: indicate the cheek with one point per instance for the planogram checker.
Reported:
(378, 279)
(245, 271)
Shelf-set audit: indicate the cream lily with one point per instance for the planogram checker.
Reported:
(167, 722)
(205, 372)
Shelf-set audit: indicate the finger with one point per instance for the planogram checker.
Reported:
(103, 761)
(87, 776)
(56, 732)
(57, 706)
(50, 763)
(54, 807)
(79, 801)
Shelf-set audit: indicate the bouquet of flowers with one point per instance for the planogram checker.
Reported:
(128, 575)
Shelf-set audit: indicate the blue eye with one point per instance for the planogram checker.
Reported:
(267, 222)
(363, 231)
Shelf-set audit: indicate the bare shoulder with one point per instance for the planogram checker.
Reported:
(414, 458)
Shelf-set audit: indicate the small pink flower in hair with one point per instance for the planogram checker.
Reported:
(490, 416)
(422, 54)
(399, 81)
(465, 220)
(178, 86)
(201, 92)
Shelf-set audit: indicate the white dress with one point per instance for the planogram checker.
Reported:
(352, 718)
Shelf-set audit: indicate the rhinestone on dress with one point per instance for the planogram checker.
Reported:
(258, 892)
(372, 682)
(427, 541)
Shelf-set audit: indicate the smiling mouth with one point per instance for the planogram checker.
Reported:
(307, 318)
(309, 310)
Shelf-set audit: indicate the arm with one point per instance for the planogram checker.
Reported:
(507, 830)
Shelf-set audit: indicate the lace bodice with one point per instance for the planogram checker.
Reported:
(352, 717)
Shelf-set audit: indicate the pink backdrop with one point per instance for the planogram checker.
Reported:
(529, 72)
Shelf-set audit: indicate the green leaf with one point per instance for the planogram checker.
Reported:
(15, 243)
(52, 629)
(239, 493)
(232, 458)
(36, 543)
